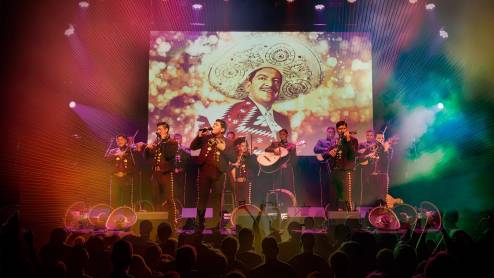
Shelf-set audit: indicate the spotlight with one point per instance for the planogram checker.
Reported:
(430, 7)
(412, 1)
(443, 34)
(319, 7)
(197, 6)
(351, 1)
(69, 31)
(72, 104)
(440, 106)
(290, 1)
(84, 4)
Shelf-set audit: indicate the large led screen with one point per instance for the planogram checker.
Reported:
(260, 82)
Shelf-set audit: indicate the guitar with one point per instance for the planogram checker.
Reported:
(270, 158)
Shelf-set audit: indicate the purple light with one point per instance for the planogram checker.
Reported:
(319, 7)
(197, 6)
(72, 104)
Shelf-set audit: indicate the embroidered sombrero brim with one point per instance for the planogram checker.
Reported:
(299, 66)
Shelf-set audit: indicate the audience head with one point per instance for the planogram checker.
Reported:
(145, 227)
(246, 238)
(229, 246)
(186, 258)
(270, 248)
(58, 236)
(308, 241)
(121, 256)
(164, 231)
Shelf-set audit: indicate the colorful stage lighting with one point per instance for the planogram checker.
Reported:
(440, 106)
(197, 6)
(84, 4)
(319, 7)
(69, 31)
(72, 104)
(430, 6)
(443, 34)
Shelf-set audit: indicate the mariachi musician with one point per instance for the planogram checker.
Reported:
(323, 146)
(216, 151)
(163, 151)
(380, 167)
(342, 174)
(284, 176)
(365, 159)
(241, 173)
(123, 164)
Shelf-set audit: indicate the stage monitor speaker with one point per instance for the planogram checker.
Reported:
(311, 217)
(192, 213)
(350, 218)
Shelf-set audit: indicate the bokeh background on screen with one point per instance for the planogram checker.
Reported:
(180, 92)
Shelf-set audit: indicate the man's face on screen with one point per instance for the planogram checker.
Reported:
(265, 86)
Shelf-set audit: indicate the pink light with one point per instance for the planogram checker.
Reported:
(72, 104)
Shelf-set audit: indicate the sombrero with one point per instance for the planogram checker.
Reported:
(299, 66)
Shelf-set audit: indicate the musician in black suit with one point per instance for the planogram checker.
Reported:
(216, 153)
(123, 159)
(283, 176)
(380, 169)
(242, 172)
(163, 151)
(365, 159)
(323, 146)
(342, 174)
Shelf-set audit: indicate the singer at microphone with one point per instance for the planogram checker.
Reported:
(342, 172)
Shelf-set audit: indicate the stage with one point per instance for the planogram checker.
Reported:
(114, 106)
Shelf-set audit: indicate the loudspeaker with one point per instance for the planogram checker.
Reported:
(349, 218)
(310, 217)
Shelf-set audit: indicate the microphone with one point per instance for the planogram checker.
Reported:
(204, 129)
(353, 132)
